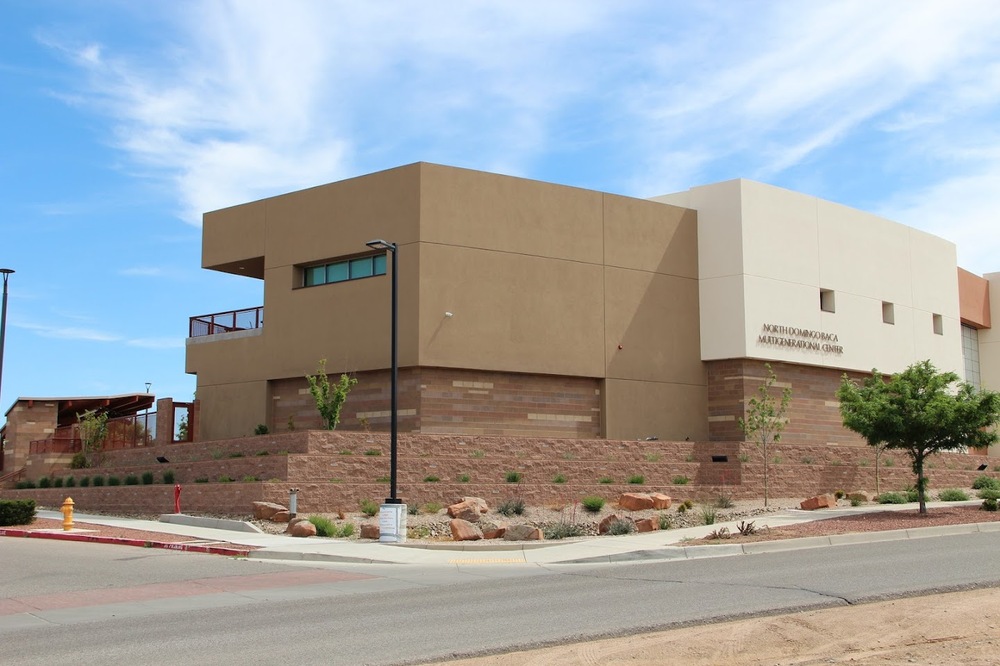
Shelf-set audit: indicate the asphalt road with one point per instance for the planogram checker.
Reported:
(182, 607)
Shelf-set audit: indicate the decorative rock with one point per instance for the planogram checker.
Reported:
(523, 533)
(818, 502)
(635, 501)
(369, 531)
(605, 525)
(479, 502)
(661, 501)
(264, 510)
(495, 533)
(463, 530)
(281, 517)
(647, 524)
(303, 528)
(295, 522)
(465, 510)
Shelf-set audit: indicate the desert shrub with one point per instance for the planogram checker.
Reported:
(346, 530)
(263, 452)
(147, 478)
(168, 476)
(413, 509)
(131, 480)
(249, 478)
(98, 481)
(666, 522)
(79, 460)
(708, 515)
(512, 477)
(620, 526)
(431, 479)
(236, 454)
(988, 493)
(891, 498)
(201, 479)
(562, 531)
(84, 481)
(114, 481)
(989, 504)
(511, 507)
(369, 507)
(463, 478)
(17, 512)
(840, 494)
(324, 526)
(57, 482)
(45, 482)
(724, 501)
(478, 453)
(745, 528)
(558, 478)
(27, 484)
(984, 481)
(681, 481)
(373, 452)
(224, 478)
(652, 457)
(953, 495)
(433, 507)
(261, 429)
(856, 501)
(605, 480)
(592, 503)
(912, 496)
(70, 481)
(637, 479)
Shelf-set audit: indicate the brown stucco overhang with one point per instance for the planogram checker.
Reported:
(974, 299)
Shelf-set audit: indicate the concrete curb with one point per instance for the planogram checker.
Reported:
(122, 541)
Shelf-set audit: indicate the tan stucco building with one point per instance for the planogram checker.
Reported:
(534, 309)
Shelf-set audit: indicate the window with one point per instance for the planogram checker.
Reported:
(938, 324)
(970, 352)
(888, 313)
(341, 271)
(827, 303)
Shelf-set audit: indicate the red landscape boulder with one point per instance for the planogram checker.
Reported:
(647, 524)
(463, 530)
(369, 531)
(661, 501)
(635, 501)
(303, 528)
(265, 510)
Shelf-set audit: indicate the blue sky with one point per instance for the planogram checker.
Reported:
(122, 122)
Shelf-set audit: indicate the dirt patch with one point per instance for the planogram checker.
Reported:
(954, 628)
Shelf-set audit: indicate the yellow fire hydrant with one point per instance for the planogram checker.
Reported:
(67, 512)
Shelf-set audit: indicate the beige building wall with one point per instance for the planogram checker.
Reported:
(767, 253)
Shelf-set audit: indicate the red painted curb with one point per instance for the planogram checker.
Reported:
(123, 541)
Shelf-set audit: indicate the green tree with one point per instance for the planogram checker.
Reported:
(920, 411)
(329, 398)
(765, 417)
(93, 429)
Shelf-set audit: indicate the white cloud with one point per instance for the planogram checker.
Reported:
(157, 343)
(142, 271)
(67, 332)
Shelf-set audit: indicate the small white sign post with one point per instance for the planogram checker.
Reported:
(392, 523)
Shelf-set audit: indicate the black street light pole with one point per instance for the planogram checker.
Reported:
(3, 318)
(391, 248)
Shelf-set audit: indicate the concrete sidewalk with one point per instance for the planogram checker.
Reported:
(633, 547)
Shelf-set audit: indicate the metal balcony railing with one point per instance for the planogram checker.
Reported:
(226, 322)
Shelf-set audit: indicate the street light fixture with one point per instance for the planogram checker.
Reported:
(392, 518)
(3, 318)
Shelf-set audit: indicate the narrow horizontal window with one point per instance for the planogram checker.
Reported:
(342, 271)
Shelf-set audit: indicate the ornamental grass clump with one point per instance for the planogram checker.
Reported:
(592, 503)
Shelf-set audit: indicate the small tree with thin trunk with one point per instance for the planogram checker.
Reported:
(920, 411)
(765, 418)
(93, 429)
(329, 398)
